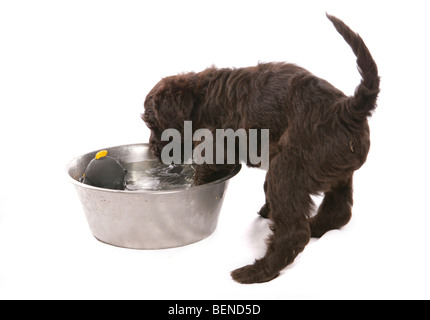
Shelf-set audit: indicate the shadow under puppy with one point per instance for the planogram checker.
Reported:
(318, 138)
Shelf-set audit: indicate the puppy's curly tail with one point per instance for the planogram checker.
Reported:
(363, 102)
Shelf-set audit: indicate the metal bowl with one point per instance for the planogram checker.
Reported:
(145, 219)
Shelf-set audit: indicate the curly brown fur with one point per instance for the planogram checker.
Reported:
(318, 138)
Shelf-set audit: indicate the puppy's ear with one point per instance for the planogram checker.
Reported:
(174, 102)
(149, 116)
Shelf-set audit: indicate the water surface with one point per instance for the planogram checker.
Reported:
(154, 175)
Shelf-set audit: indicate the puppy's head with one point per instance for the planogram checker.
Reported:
(167, 106)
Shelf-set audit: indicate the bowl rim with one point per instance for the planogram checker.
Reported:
(235, 171)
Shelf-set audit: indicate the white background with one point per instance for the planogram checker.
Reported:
(73, 78)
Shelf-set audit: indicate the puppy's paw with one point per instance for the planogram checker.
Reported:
(254, 273)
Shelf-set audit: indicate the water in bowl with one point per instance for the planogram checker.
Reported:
(153, 175)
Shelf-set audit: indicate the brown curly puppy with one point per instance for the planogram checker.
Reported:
(318, 138)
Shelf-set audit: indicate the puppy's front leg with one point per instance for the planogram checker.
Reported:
(290, 204)
(206, 173)
(265, 209)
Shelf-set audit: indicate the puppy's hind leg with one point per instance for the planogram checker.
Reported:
(290, 205)
(335, 209)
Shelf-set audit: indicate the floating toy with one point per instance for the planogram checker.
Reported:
(104, 172)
